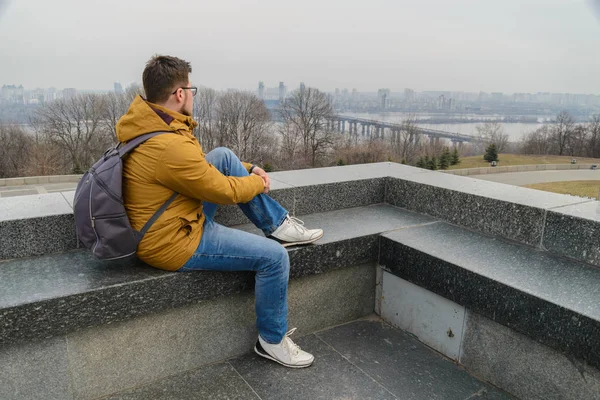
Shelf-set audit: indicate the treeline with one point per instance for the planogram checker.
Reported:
(564, 137)
(70, 134)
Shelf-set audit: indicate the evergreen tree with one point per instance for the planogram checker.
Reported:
(491, 153)
(455, 159)
(421, 163)
(445, 158)
(432, 164)
(268, 167)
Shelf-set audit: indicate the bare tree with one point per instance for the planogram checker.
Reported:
(406, 144)
(305, 113)
(15, 150)
(77, 125)
(205, 104)
(47, 158)
(593, 128)
(117, 105)
(132, 92)
(562, 131)
(538, 141)
(242, 123)
(493, 132)
(578, 140)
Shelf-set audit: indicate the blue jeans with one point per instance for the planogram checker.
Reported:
(226, 249)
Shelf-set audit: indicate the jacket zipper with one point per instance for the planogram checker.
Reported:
(92, 218)
(106, 189)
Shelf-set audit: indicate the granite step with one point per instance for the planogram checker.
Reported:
(54, 294)
(551, 299)
(365, 359)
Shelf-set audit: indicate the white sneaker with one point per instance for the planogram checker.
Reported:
(286, 353)
(292, 232)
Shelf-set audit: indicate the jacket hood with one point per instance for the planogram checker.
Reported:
(145, 117)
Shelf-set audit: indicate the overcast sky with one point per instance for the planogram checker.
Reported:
(468, 45)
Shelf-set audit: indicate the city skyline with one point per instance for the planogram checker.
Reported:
(513, 46)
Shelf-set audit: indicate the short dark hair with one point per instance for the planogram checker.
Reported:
(162, 75)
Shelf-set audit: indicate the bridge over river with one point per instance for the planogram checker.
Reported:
(382, 129)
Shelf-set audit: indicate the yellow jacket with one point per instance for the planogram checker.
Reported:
(172, 163)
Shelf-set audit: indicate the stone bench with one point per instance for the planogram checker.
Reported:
(458, 255)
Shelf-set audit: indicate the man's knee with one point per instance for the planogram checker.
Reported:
(222, 152)
(280, 258)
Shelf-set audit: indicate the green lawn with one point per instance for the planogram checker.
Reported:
(518, 159)
(575, 188)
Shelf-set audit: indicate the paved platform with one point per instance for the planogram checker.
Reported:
(365, 359)
(23, 190)
(511, 178)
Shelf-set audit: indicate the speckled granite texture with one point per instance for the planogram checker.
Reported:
(54, 294)
(37, 236)
(508, 211)
(574, 231)
(550, 299)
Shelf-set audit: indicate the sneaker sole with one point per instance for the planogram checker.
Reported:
(261, 352)
(288, 244)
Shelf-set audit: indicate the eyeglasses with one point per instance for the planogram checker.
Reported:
(194, 90)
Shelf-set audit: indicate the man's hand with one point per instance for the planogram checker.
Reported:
(261, 172)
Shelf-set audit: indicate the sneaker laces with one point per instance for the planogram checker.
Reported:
(299, 225)
(293, 347)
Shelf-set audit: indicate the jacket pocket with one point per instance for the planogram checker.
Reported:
(189, 222)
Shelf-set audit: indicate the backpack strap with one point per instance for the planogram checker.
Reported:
(156, 215)
(133, 143)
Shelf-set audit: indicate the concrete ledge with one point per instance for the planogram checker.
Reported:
(36, 180)
(56, 294)
(515, 168)
(489, 207)
(547, 298)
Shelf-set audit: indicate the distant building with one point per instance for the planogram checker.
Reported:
(51, 94)
(384, 97)
(441, 104)
(12, 94)
(282, 91)
(302, 87)
(261, 90)
(69, 93)
(497, 97)
(409, 95)
(118, 88)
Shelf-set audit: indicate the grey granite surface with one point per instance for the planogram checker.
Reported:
(35, 371)
(53, 294)
(549, 299)
(492, 190)
(363, 360)
(403, 365)
(110, 358)
(218, 381)
(37, 236)
(486, 214)
(574, 231)
(330, 377)
(34, 206)
(356, 222)
(348, 173)
(524, 367)
(335, 196)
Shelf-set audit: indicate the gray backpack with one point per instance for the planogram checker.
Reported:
(100, 218)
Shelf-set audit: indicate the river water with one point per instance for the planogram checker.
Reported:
(515, 130)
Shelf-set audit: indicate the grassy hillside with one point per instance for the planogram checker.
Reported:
(575, 188)
(518, 159)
